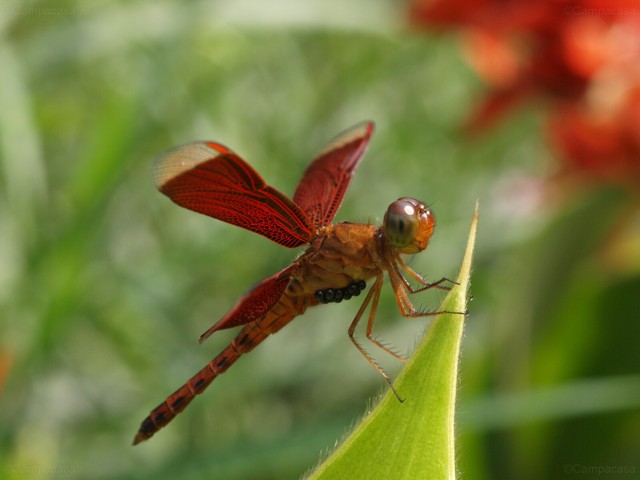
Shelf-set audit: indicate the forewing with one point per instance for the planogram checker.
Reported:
(254, 304)
(326, 180)
(208, 178)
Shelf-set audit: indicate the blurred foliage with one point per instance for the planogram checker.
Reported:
(105, 285)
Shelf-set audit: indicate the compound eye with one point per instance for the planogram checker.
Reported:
(401, 222)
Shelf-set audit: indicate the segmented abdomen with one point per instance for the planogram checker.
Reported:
(248, 338)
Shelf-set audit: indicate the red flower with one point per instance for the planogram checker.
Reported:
(606, 146)
(581, 57)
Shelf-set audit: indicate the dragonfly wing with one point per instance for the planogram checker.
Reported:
(326, 180)
(208, 178)
(254, 304)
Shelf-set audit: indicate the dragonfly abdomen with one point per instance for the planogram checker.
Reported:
(250, 336)
(178, 400)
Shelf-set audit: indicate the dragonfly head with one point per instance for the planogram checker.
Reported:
(408, 225)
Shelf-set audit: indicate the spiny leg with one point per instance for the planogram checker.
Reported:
(420, 279)
(375, 341)
(374, 293)
(401, 287)
(407, 309)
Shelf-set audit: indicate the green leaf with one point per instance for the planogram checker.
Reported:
(415, 438)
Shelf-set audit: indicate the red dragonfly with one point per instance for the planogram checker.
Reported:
(211, 179)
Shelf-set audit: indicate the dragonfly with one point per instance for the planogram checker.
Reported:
(339, 260)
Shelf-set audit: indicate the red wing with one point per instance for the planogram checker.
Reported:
(254, 304)
(211, 179)
(325, 181)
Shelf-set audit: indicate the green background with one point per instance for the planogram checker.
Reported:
(105, 285)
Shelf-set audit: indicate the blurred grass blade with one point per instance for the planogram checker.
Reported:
(413, 439)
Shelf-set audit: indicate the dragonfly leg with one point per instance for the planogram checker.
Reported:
(376, 341)
(401, 289)
(426, 285)
(372, 297)
(409, 310)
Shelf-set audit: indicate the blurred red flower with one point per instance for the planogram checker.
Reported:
(581, 57)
